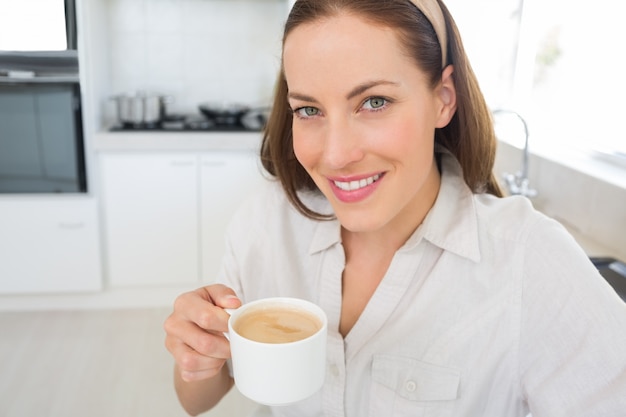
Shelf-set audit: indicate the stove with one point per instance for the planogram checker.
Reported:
(614, 272)
(191, 123)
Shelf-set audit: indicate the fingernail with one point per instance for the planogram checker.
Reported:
(232, 300)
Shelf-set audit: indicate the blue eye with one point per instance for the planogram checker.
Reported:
(307, 112)
(374, 103)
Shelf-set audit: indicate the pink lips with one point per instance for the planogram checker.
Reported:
(355, 189)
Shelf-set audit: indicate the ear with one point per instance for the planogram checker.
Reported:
(446, 93)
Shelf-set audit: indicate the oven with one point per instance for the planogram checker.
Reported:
(41, 135)
(41, 126)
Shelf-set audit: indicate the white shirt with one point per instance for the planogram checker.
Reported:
(490, 309)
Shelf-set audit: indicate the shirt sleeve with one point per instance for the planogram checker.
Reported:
(573, 331)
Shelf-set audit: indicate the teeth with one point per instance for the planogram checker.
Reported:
(355, 185)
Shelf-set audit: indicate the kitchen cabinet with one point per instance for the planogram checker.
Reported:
(150, 218)
(163, 209)
(49, 245)
(226, 178)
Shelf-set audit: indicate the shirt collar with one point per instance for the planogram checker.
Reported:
(451, 223)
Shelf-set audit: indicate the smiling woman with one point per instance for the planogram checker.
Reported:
(344, 142)
(420, 46)
(442, 297)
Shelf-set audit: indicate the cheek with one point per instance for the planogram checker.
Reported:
(304, 148)
(421, 129)
(404, 137)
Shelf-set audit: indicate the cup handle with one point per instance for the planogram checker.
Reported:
(230, 312)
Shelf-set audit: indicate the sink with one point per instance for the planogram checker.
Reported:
(614, 272)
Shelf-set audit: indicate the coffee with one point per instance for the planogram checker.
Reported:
(277, 324)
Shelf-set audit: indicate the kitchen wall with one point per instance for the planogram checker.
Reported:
(194, 50)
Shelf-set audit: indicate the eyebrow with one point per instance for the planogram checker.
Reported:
(359, 89)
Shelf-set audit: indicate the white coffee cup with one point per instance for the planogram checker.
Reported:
(277, 372)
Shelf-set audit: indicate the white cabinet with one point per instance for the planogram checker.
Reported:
(162, 210)
(227, 178)
(49, 245)
(150, 218)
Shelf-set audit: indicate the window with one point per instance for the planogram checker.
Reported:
(32, 25)
(559, 63)
(576, 88)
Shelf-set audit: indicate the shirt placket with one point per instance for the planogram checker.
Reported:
(331, 270)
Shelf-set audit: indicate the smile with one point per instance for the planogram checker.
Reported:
(356, 185)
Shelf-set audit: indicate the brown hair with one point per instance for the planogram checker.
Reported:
(469, 136)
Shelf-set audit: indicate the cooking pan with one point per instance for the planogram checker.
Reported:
(141, 109)
(234, 114)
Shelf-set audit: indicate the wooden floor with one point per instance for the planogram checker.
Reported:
(109, 363)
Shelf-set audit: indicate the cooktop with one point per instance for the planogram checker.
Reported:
(191, 123)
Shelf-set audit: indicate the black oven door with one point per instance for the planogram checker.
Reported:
(41, 138)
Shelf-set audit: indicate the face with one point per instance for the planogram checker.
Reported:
(364, 122)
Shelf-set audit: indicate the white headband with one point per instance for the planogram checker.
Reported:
(434, 14)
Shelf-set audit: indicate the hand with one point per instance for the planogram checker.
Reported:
(194, 331)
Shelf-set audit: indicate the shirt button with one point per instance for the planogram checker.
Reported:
(410, 386)
(334, 370)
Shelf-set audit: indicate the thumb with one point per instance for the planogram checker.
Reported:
(229, 301)
(223, 296)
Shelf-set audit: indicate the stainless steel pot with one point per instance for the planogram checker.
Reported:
(141, 109)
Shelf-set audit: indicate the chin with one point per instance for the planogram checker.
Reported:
(361, 223)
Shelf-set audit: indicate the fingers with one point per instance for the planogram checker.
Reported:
(207, 343)
(220, 295)
(204, 306)
(195, 309)
(195, 367)
(194, 331)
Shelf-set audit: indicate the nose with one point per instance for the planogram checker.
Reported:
(342, 144)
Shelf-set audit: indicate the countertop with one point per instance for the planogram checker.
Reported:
(176, 141)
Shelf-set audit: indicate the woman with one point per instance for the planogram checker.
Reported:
(443, 299)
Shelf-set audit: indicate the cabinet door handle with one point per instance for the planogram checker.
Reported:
(182, 163)
(214, 163)
(71, 225)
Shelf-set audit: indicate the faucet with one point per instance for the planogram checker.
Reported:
(519, 183)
